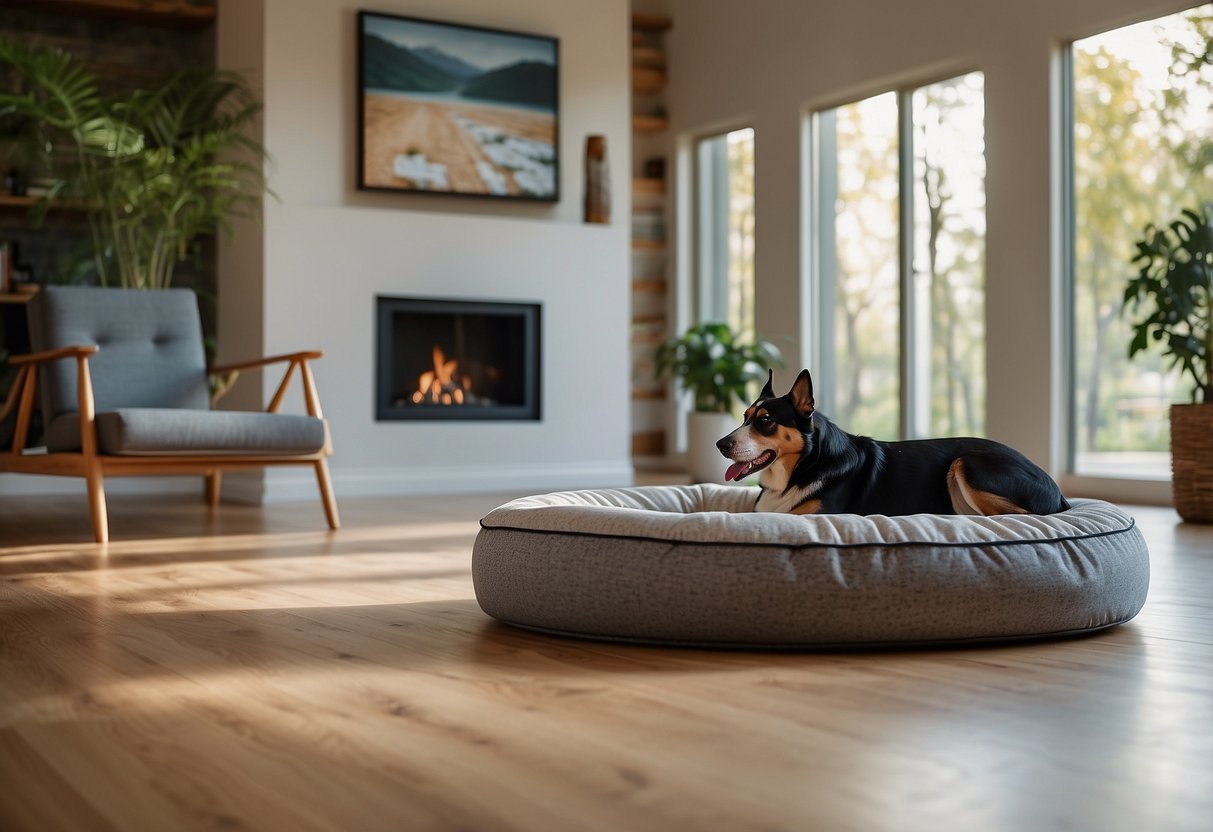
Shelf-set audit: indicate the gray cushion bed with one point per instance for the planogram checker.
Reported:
(695, 565)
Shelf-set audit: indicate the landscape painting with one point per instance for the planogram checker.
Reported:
(456, 109)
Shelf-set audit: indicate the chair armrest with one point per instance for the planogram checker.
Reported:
(77, 351)
(308, 355)
(229, 372)
(27, 383)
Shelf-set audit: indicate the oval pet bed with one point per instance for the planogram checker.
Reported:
(695, 565)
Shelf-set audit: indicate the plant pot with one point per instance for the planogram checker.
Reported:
(704, 461)
(1192, 461)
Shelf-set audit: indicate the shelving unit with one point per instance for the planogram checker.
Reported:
(130, 44)
(650, 301)
(173, 13)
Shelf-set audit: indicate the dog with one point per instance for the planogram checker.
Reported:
(808, 465)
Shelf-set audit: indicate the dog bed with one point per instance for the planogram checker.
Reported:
(695, 565)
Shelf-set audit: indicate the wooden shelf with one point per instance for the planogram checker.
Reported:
(649, 124)
(647, 79)
(10, 201)
(647, 56)
(651, 22)
(27, 202)
(176, 13)
(643, 186)
(647, 337)
(656, 287)
(648, 443)
(642, 394)
(20, 297)
(648, 245)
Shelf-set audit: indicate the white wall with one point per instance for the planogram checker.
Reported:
(329, 249)
(769, 62)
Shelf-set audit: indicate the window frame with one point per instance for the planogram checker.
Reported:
(1120, 488)
(1067, 257)
(710, 251)
(821, 185)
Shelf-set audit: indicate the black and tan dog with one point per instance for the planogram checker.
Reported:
(809, 465)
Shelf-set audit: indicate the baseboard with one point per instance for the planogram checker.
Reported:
(17, 485)
(289, 484)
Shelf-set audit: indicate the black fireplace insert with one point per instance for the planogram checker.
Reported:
(442, 359)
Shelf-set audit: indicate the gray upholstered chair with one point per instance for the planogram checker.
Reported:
(124, 391)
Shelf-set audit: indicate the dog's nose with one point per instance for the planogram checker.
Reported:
(725, 445)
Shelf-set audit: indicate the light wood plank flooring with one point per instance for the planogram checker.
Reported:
(250, 670)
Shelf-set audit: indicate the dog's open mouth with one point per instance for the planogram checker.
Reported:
(743, 469)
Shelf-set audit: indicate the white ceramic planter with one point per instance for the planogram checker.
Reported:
(704, 461)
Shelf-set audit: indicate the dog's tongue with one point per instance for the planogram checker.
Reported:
(736, 471)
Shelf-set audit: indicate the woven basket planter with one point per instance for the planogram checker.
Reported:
(1192, 461)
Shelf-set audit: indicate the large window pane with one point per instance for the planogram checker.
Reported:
(726, 230)
(864, 277)
(901, 247)
(949, 257)
(1142, 136)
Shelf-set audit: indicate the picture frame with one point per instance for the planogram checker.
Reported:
(458, 110)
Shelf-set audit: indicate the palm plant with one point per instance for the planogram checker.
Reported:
(154, 170)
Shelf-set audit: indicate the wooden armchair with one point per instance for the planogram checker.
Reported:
(124, 392)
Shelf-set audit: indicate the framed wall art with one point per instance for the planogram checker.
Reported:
(453, 109)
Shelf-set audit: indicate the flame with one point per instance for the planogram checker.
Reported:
(439, 385)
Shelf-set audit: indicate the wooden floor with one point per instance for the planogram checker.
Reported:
(250, 670)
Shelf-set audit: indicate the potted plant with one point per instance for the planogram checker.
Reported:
(1171, 298)
(709, 362)
(154, 170)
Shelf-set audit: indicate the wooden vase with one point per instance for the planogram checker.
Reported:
(597, 181)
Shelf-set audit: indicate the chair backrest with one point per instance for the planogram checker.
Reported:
(151, 347)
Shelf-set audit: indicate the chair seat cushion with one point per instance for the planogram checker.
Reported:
(154, 431)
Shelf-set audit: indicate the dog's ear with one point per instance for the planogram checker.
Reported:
(768, 392)
(801, 394)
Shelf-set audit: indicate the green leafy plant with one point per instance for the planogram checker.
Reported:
(1172, 295)
(708, 361)
(154, 169)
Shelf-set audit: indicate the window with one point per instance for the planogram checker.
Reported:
(1140, 148)
(725, 230)
(901, 261)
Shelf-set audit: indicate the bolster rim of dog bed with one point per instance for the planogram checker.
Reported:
(695, 565)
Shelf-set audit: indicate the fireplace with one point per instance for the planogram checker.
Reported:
(453, 359)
